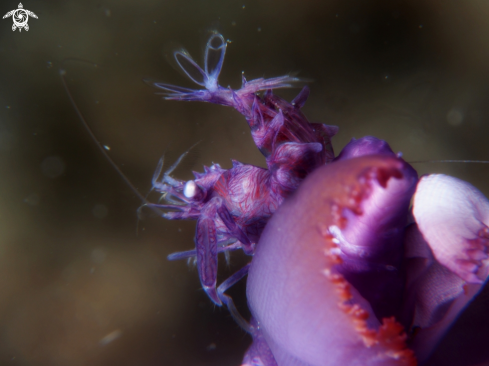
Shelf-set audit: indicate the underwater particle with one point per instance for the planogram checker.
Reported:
(211, 347)
(109, 338)
(98, 255)
(32, 199)
(455, 116)
(52, 166)
(100, 211)
(107, 147)
(259, 29)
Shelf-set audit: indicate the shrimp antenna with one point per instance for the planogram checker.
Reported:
(450, 161)
(62, 74)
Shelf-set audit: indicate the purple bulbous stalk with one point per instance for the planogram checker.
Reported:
(292, 284)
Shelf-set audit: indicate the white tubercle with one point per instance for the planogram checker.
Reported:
(453, 217)
(190, 189)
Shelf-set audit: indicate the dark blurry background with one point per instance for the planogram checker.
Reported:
(81, 281)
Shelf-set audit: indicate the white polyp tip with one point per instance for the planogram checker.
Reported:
(190, 189)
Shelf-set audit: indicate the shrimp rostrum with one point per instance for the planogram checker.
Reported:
(232, 206)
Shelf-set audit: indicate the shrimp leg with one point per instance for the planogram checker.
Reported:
(206, 240)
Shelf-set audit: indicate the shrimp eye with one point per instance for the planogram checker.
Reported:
(192, 190)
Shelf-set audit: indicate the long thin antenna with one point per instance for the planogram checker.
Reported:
(62, 74)
(450, 161)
